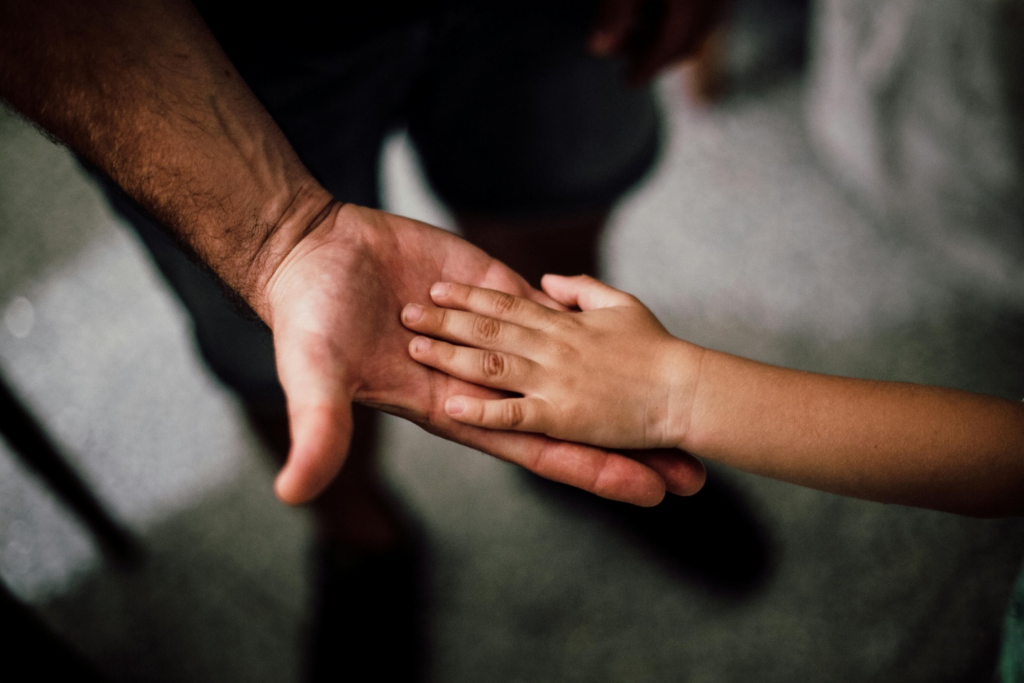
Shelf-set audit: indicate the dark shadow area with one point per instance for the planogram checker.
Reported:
(32, 652)
(234, 590)
(223, 596)
(369, 617)
(369, 608)
(30, 442)
(712, 537)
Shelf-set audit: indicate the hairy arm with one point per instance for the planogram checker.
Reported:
(143, 91)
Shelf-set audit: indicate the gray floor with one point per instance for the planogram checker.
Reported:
(739, 241)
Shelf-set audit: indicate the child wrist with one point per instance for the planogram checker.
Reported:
(683, 372)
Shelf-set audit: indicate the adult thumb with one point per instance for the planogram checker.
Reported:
(319, 417)
(320, 440)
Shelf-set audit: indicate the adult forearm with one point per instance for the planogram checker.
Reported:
(885, 441)
(143, 91)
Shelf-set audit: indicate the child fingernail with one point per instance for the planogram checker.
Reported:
(420, 344)
(454, 406)
(440, 289)
(412, 313)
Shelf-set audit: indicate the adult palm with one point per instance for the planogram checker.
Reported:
(334, 304)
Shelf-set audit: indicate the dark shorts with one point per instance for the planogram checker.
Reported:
(510, 116)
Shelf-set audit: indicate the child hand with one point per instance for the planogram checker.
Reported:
(609, 375)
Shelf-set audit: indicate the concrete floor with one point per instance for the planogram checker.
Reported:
(739, 241)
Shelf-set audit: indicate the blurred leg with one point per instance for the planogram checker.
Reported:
(567, 246)
(530, 140)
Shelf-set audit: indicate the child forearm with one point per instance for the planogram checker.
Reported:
(884, 441)
(612, 375)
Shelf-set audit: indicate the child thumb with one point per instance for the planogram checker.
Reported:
(583, 292)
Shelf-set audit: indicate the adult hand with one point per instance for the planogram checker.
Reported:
(143, 91)
(334, 305)
(651, 34)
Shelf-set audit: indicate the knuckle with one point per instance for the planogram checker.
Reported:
(494, 365)
(486, 329)
(505, 303)
(443, 320)
(562, 352)
(568, 324)
(512, 414)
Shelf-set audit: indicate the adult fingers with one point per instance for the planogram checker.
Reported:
(514, 414)
(609, 475)
(319, 415)
(615, 21)
(683, 473)
(584, 292)
(486, 368)
(492, 303)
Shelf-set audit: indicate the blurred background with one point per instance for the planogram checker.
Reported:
(840, 190)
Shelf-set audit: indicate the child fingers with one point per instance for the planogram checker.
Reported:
(509, 414)
(492, 303)
(467, 328)
(584, 292)
(487, 368)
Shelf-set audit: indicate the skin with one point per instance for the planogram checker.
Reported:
(652, 34)
(144, 93)
(611, 375)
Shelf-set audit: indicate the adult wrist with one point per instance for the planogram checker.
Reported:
(287, 221)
